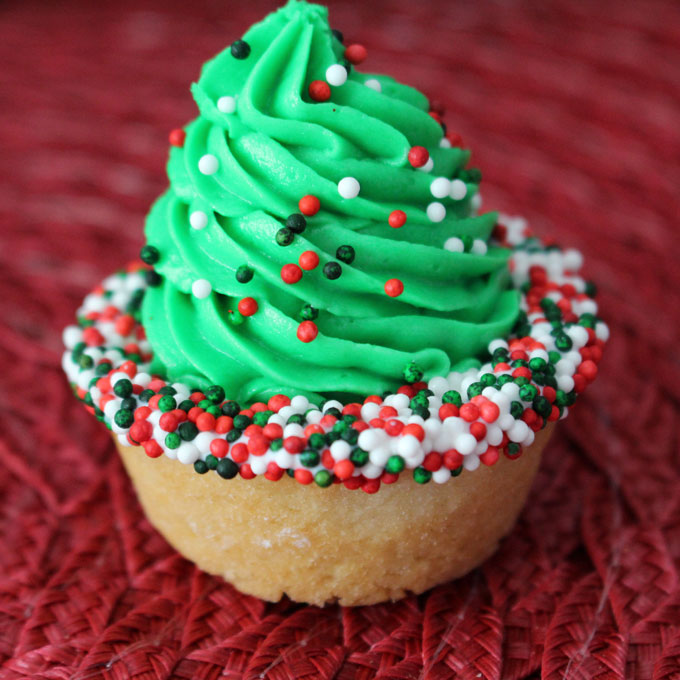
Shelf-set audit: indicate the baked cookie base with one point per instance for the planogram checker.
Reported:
(329, 545)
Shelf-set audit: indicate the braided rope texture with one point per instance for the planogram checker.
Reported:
(572, 112)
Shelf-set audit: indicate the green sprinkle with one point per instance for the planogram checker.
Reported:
(230, 408)
(284, 236)
(124, 418)
(145, 395)
(317, 440)
(261, 418)
(276, 445)
(537, 364)
(475, 390)
(323, 478)
(309, 458)
(412, 373)
(421, 475)
(187, 430)
(167, 403)
(488, 379)
(452, 397)
(516, 409)
(215, 394)
(233, 435)
(309, 313)
(186, 405)
(395, 464)
(296, 418)
(123, 388)
(244, 274)
(149, 254)
(527, 392)
(172, 440)
(359, 457)
(241, 422)
(211, 461)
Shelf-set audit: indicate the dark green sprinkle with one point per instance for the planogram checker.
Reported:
(521, 380)
(276, 445)
(241, 422)
(261, 418)
(488, 379)
(172, 440)
(349, 418)
(296, 223)
(124, 417)
(421, 475)
(475, 389)
(345, 254)
(422, 411)
(129, 403)
(395, 464)
(457, 471)
(240, 49)
(230, 408)
(587, 320)
(516, 409)
(186, 405)
(332, 270)
(542, 406)
(309, 458)
(317, 440)
(514, 449)
(201, 467)
(591, 289)
(87, 400)
(145, 395)
(338, 35)
(333, 436)
(452, 397)
(211, 461)
(537, 364)
(350, 435)
(467, 242)
(284, 236)
(152, 278)
(187, 430)
(167, 389)
(233, 435)
(563, 342)
(340, 426)
(226, 468)
(290, 472)
(123, 388)
(296, 418)
(309, 313)
(86, 361)
(244, 274)
(412, 373)
(102, 368)
(332, 411)
(149, 254)
(215, 394)
(359, 457)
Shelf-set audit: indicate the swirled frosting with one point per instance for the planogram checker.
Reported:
(275, 147)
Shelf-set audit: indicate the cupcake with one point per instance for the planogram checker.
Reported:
(321, 310)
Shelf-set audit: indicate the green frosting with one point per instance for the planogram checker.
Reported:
(278, 146)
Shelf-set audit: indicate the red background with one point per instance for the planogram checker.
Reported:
(571, 109)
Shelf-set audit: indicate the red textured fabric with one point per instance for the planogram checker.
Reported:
(571, 110)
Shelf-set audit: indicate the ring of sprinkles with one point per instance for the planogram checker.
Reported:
(431, 430)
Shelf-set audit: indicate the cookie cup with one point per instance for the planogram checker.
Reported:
(319, 546)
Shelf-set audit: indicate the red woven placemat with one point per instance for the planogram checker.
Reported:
(572, 112)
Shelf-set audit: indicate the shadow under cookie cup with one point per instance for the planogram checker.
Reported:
(333, 545)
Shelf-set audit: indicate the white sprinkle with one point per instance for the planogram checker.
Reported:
(198, 219)
(440, 187)
(476, 203)
(497, 344)
(340, 450)
(336, 75)
(226, 104)
(71, 336)
(479, 247)
(436, 212)
(300, 403)
(442, 475)
(201, 288)
(407, 446)
(348, 187)
(373, 84)
(444, 143)
(458, 189)
(208, 164)
(428, 166)
(465, 444)
(187, 453)
(454, 244)
(471, 463)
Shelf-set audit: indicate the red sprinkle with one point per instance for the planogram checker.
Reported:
(309, 260)
(309, 205)
(397, 219)
(447, 411)
(294, 444)
(307, 331)
(239, 453)
(415, 430)
(246, 471)
(319, 90)
(277, 402)
(258, 445)
(219, 448)
(291, 273)
(274, 472)
(433, 461)
(177, 137)
(152, 448)
(418, 156)
(343, 469)
(224, 424)
(247, 306)
(394, 287)
(355, 53)
(272, 431)
(205, 422)
(303, 476)
(452, 459)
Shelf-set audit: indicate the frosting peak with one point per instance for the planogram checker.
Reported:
(284, 116)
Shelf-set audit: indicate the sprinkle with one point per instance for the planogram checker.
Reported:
(309, 260)
(309, 205)
(444, 143)
(479, 247)
(345, 254)
(177, 137)
(454, 244)
(458, 189)
(226, 104)
(291, 273)
(247, 306)
(201, 288)
(373, 84)
(284, 236)
(319, 90)
(309, 313)
(428, 166)
(336, 75)
(394, 287)
(418, 156)
(208, 164)
(296, 223)
(240, 49)
(397, 219)
(440, 187)
(348, 187)
(307, 331)
(338, 35)
(198, 219)
(332, 270)
(436, 212)
(244, 274)
(355, 53)
(149, 254)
